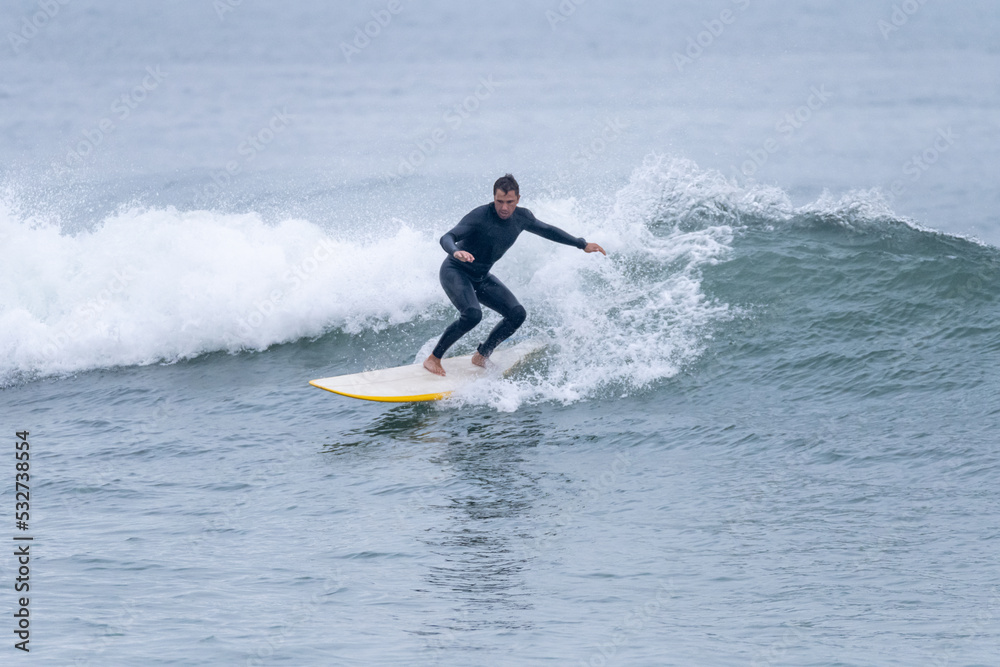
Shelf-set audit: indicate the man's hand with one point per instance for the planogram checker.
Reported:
(463, 256)
(593, 247)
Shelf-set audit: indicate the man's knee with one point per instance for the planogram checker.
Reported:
(471, 316)
(517, 315)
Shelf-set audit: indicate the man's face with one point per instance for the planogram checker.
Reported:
(505, 203)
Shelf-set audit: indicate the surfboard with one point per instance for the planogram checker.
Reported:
(414, 383)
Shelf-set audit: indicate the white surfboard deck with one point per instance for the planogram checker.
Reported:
(414, 383)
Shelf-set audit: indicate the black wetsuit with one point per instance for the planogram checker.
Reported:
(468, 284)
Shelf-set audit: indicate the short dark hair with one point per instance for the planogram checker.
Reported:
(506, 183)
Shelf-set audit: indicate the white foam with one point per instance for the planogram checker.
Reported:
(163, 285)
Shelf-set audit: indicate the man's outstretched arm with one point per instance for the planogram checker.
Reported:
(553, 233)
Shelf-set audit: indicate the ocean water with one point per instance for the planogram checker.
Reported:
(763, 431)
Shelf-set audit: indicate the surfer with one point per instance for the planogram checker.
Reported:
(473, 246)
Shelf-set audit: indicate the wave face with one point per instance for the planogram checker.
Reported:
(842, 298)
(703, 275)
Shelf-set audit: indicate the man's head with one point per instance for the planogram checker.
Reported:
(506, 194)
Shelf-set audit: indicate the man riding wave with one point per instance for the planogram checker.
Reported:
(473, 246)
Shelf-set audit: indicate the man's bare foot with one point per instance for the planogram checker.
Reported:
(479, 360)
(433, 364)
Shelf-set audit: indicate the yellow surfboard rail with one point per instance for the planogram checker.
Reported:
(413, 383)
(387, 399)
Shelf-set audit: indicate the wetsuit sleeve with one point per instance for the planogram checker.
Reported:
(552, 233)
(451, 238)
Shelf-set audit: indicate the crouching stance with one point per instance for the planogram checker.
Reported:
(473, 246)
